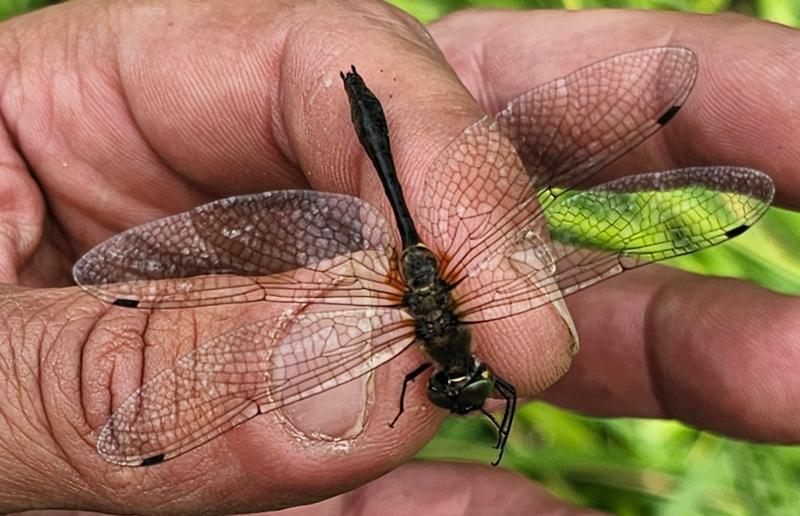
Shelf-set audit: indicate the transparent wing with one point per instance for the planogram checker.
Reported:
(601, 232)
(242, 249)
(564, 131)
(567, 130)
(484, 195)
(249, 371)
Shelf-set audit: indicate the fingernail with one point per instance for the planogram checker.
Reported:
(310, 364)
(335, 414)
(561, 307)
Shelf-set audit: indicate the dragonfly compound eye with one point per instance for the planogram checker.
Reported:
(461, 393)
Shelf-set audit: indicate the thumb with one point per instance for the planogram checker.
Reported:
(70, 359)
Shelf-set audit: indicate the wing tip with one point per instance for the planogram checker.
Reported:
(738, 230)
(126, 303)
(668, 115)
(151, 461)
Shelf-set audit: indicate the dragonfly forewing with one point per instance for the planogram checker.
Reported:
(235, 250)
(567, 130)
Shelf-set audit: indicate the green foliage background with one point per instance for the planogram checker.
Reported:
(634, 466)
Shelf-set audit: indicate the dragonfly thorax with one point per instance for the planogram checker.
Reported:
(428, 298)
(420, 268)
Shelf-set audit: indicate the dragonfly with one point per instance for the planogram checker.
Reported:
(475, 248)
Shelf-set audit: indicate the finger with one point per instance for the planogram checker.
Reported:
(244, 114)
(715, 353)
(445, 488)
(739, 113)
(98, 354)
(426, 487)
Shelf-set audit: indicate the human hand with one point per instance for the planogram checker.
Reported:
(257, 107)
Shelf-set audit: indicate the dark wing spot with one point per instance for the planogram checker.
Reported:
(127, 303)
(666, 117)
(155, 459)
(737, 231)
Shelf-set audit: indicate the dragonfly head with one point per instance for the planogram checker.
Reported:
(462, 390)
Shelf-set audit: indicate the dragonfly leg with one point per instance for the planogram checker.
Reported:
(410, 377)
(509, 393)
(491, 418)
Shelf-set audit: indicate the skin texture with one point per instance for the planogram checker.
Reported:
(116, 113)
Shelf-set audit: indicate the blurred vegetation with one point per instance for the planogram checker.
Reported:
(10, 8)
(782, 11)
(634, 466)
